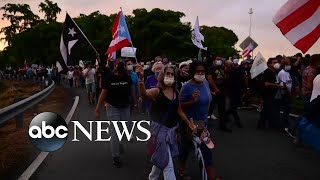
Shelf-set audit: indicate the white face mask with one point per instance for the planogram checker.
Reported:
(219, 63)
(146, 67)
(276, 66)
(287, 68)
(236, 61)
(130, 67)
(199, 78)
(168, 81)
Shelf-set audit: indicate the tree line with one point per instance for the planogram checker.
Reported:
(155, 32)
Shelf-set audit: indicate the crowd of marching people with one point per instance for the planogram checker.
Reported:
(181, 100)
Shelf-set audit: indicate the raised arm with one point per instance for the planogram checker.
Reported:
(150, 93)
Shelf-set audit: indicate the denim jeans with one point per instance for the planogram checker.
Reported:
(117, 114)
(168, 172)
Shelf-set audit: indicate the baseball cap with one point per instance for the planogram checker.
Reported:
(208, 142)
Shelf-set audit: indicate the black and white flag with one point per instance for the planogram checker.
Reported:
(196, 36)
(71, 38)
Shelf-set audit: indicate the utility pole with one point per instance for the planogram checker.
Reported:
(250, 14)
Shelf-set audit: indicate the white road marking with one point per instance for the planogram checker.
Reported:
(42, 156)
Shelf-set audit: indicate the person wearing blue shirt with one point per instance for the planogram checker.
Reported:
(195, 98)
(29, 73)
(134, 80)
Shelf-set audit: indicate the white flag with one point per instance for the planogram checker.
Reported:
(59, 66)
(259, 65)
(81, 64)
(196, 36)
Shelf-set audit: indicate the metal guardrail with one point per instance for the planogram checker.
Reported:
(16, 110)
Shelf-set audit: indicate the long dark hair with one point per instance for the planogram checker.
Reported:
(193, 67)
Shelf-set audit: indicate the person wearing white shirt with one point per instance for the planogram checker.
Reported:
(89, 73)
(70, 77)
(49, 70)
(285, 79)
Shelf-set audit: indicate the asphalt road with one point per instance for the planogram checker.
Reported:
(243, 154)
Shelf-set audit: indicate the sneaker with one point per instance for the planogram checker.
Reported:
(116, 162)
(259, 109)
(290, 132)
(213, 117)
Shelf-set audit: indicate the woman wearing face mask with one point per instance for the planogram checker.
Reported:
(152, 81)
(164, 112)
(284, 78)
(195, 98)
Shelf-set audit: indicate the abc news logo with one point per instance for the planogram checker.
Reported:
(48, 131)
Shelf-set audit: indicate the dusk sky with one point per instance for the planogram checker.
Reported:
(232, 14)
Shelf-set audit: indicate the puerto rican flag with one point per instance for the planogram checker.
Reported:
(299, 22)
(247, 50)
(120, 35)
(111, 56)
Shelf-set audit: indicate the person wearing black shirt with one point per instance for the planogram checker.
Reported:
(164, 113)
(217, 77)
(117, 91)
(271, 110)
(236, 82)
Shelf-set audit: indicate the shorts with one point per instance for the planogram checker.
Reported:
(91, 87)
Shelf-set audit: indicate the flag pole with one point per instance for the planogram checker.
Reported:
(130, 38)
(199, 55)
(84, 36)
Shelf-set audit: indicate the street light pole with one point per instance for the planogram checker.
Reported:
(250, 14)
